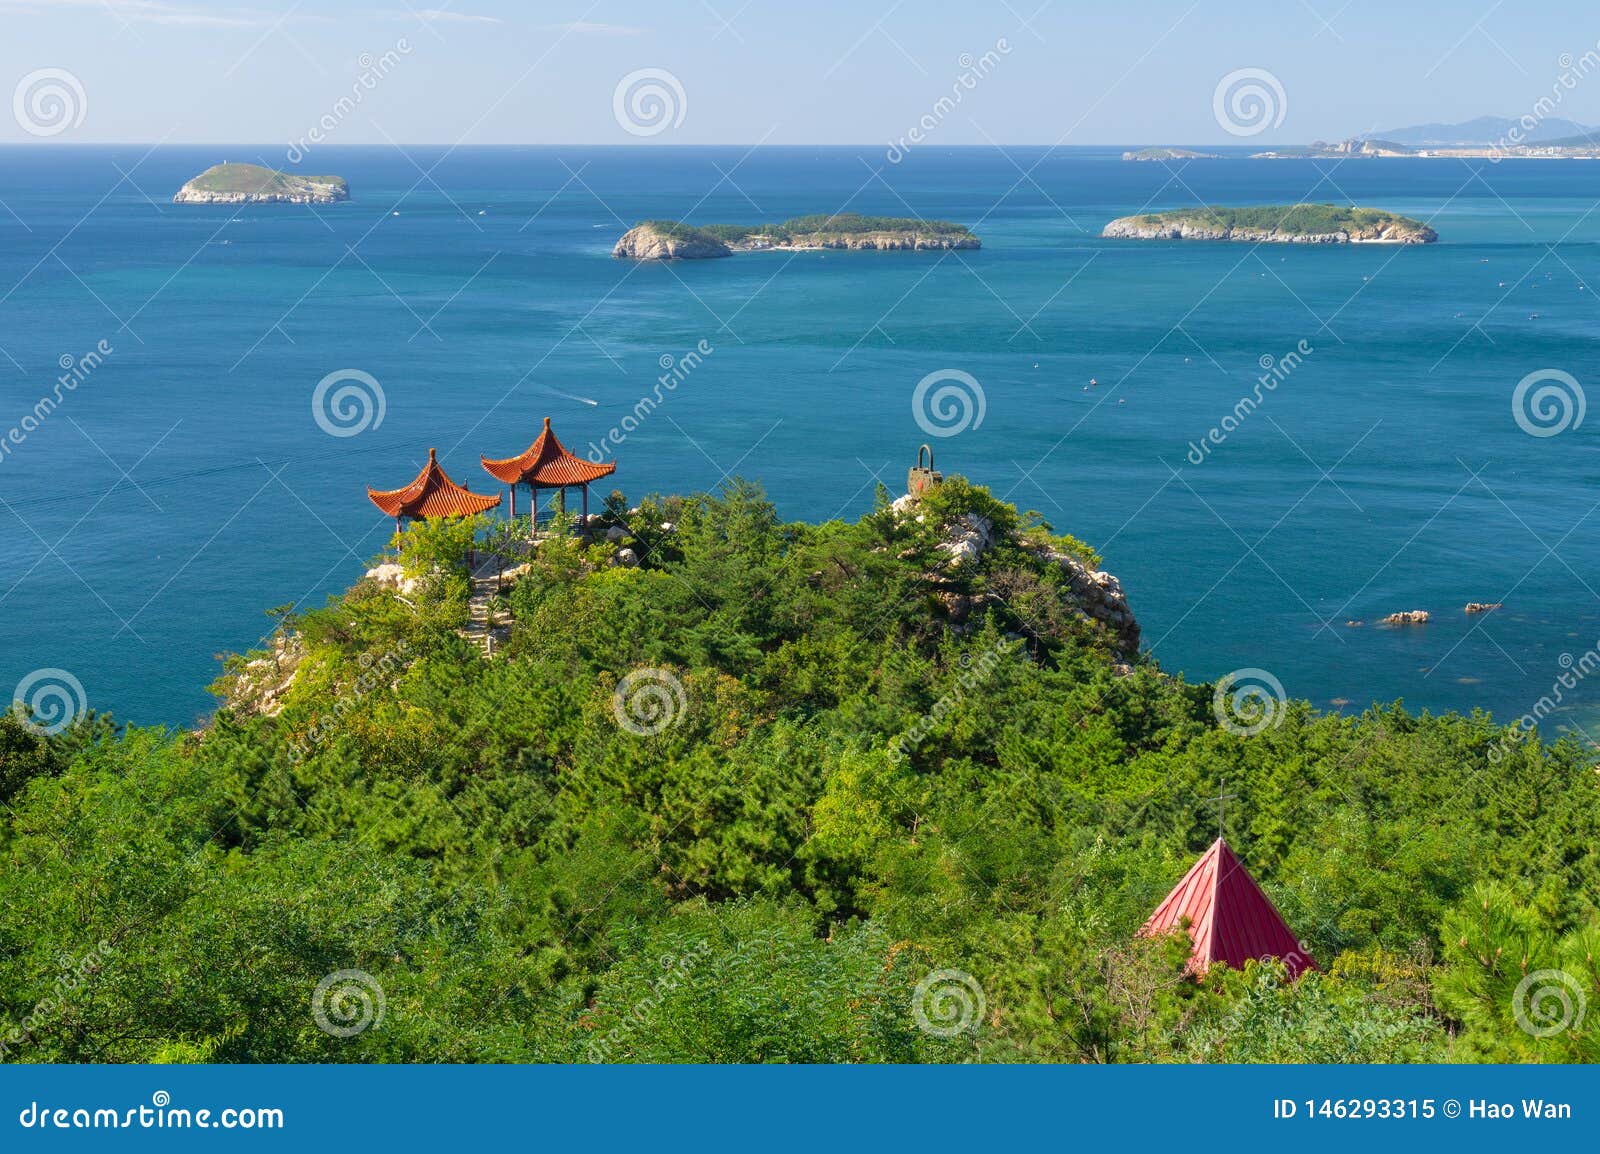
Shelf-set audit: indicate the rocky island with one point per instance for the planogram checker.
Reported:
(1169, 154)
(252, 184)
(1277, 224)
(674, 240)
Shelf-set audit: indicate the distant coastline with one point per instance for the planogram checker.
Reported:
(1530, 137)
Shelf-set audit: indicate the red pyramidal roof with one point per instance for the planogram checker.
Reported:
(546, 462)
(1230, 919)
(432, 494)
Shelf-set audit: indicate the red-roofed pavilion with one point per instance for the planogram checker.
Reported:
(432, 494)
(546, 464)
(1229, 918)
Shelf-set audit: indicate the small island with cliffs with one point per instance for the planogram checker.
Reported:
(1163, 154)
(674, 240)
(227, 183)
(1276, 224)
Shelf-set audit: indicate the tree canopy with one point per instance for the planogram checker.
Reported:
(678, 817)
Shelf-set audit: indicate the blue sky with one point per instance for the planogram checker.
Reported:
(867, 71)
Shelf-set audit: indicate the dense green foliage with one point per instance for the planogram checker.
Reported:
(803, 228)
(254, 180)
(1299, 219)
(669, 821)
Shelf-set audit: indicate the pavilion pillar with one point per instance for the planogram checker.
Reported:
(513, 500)
(533, 500)
(586, 505)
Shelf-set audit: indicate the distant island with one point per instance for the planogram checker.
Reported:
(252, 184)
(1278, 224)
(1169, 154)
(674, 240)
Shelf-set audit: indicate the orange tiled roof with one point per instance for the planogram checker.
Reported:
(546, 462)
(1230, 919)
(432, 494)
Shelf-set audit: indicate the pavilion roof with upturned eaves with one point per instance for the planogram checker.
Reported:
(547, 464)
(432, 494)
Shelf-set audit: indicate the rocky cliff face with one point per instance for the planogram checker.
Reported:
(644, 242)
(878, 241)
(187, 195)
(1102, 600)
(1144, 228)
(1098, 595)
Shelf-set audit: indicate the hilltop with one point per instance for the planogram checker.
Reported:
(227, 183)
(1485, 130)
(674, 240)
(1278, 224)
(736, 789)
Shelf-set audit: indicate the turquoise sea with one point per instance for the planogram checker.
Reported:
(185, 484)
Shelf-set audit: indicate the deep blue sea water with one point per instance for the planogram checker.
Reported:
(185, 486)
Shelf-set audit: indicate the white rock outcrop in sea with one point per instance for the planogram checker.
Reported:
(253, 184)
(1406, 617)
(644, 242)
(1137, 228)
(1180, 226)
(659, 241)
(866, 241)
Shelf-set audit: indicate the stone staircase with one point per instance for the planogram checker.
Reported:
(486, 570)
